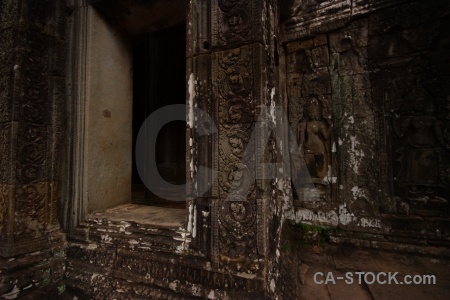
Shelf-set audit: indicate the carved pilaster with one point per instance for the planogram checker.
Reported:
(31, 143)
(231, 68)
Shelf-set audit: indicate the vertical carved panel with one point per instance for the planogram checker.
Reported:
(233, 78)
(412, 92)
(5, 198)
(310, 117)
(236, 22)
(29, 190)
(237, 88)
(33, 104)
(356, 129)
(6, 174)
(239, 35)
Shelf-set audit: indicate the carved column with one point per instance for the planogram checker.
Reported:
(232, 72)
(31, 117)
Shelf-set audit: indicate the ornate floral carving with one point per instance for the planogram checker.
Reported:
(32, 113)
(234, 21)
(32, 132)
(235, 86)
(30, 207)
(4, 196)
(32, 153)
(29, 172)
(235, 178)
(233, 144)
(238, 230)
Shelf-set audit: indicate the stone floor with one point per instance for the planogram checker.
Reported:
(339, 260)
(144, 214)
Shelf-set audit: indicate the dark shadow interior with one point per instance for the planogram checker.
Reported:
(159, 79)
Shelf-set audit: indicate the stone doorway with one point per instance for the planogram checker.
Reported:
(110, 101)
(159, 64)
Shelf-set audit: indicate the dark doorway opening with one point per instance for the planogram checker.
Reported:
(159, 79)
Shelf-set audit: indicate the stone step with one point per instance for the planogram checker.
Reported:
(186, 277)
(135, 226)
(138, 241)
(124, 227)
(141, 252)
(89, 285)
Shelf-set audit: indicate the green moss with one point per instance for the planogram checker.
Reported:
(284, 247)
(314, 235)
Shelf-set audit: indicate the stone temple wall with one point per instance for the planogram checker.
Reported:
(32, 113)
(373, 78)
(365, 85)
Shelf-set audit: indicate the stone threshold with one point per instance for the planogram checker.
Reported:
(143, 214)
(132, 251)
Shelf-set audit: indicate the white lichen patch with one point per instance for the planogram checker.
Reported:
(13, 294)
(358, 193)
(345, 216)
(246, 275)
(92, 247)
(106, 238)
(329, 218)
(356, 154)
(272, 285)
(184, 239)
(191, 90)
(372, 223)
(123, 226)
(191, 167)
(189, 225)
(196, 290)
(273, 107)
(173, 285)
(194, 225)
(211, 295)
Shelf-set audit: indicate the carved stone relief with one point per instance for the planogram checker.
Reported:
(237, 207)
(33, 139)
(5, 191)
(310, 116)
(236, 22)
(314, 141)
(237, 228)
(420, 154)
(411, 87)
(235, 86)
(236, 79)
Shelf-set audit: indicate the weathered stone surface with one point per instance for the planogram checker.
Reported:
(32, 105)
(336, 265)
(381, 92)
(148, 251)
(365, 86)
